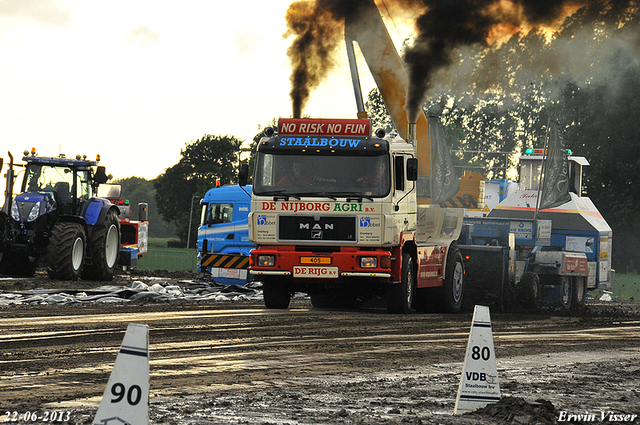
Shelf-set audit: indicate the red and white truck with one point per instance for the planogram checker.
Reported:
(334, 214)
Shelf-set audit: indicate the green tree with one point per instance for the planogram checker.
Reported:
(378, 112)
(203, 162)
(137, 190)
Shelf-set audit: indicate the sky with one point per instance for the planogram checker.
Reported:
(136, 80)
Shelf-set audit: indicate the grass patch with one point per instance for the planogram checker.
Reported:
(170, 259)
(625, 287)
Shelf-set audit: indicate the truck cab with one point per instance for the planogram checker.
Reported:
(334, 214)
(223, 239)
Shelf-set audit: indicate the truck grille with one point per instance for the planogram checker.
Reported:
(318, 228)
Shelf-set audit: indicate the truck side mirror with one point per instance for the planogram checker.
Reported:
(412, 169)
(243, 174)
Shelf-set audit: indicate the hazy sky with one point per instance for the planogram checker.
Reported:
(135, 80)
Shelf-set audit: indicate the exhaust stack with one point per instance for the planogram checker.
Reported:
(411, 133)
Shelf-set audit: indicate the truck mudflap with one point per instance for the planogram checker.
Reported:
(487, 275)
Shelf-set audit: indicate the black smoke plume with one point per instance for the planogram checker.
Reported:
(317, 27)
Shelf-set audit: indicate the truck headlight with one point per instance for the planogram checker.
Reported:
(266, 260)
(369, 262)
(35, 212)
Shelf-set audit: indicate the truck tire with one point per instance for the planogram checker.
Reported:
(104, 248)
(529, 291)
(452, 290)
(579, 293)
(276, 294)
(399, 296)
(566, 292)
(65, 258)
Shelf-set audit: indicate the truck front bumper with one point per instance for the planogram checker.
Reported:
(337, 264)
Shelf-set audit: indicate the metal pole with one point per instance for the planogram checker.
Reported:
(190, 215)
(355, 79)
(543, 175)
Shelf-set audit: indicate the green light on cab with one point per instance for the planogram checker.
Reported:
(529, 151)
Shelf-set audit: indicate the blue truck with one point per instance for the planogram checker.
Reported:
(223, 236)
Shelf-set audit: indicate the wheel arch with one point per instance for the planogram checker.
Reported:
(96, 212)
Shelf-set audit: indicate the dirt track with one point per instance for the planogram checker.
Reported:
(214, 363)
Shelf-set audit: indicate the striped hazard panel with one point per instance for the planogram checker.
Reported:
(225, 261)
(460, 202)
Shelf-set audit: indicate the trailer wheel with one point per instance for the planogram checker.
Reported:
(399, 296)
(579, 293)
(104, 248)
(452, 289)
(275, 294)
(529, 290)
(66, 251)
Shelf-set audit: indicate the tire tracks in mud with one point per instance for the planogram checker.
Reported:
(65, 355)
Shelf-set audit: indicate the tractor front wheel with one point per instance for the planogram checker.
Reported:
(65, 258)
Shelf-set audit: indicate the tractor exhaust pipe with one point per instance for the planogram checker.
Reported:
(8, 194)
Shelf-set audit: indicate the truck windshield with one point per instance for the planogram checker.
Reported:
(530, 171)
(326, 175)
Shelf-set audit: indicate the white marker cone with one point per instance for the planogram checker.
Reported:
(479, 381)
(126, 398)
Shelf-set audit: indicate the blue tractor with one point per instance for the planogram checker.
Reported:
(57, 218)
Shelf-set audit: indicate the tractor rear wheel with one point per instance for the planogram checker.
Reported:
(104, 248)
(65, 258)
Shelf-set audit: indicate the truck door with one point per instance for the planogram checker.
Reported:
(217, 227)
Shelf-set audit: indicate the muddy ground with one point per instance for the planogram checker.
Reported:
(235, 362)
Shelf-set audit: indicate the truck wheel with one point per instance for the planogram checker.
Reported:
(104, 248)
(399, 296)
(529, 290)
(452, 290)
(66, 251)
(579, 292)
(275, 294)
(566, 293)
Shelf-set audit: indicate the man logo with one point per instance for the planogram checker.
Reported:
(365, 221)
(316, 234)
(261, 220)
